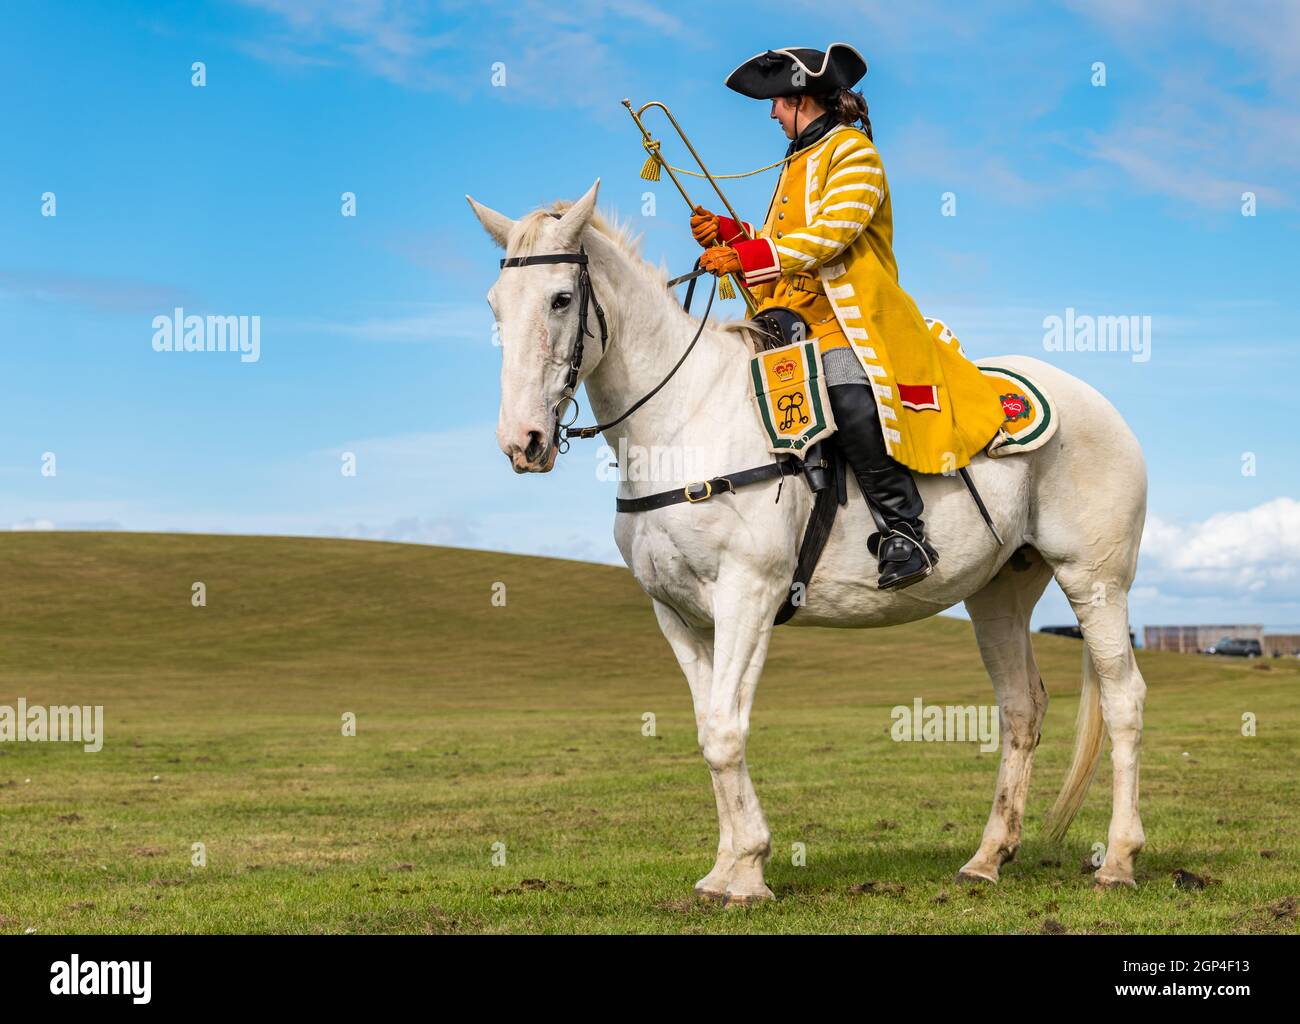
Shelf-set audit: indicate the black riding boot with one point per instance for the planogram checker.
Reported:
(904, 554)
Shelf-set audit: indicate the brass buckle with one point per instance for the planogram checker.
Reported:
(807, 283)
(708, 491)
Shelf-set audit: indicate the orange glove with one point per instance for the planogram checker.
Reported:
(704, 226)
(720, 260)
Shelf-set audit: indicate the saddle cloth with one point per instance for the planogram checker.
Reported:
(790, 391)
(1031, 421)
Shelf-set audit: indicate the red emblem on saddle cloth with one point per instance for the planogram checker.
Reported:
(1015, 407)
(919, 396)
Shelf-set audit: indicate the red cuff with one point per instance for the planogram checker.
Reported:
(729, 231)
(759, 261)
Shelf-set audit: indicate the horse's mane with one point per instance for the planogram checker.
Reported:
(527, 229)
(524, 236)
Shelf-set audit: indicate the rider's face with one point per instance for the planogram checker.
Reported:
(786, 109)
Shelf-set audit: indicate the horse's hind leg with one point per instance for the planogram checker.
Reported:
(1000, 613)
(1101, 604)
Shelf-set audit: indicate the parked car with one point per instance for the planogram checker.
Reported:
(1236, 647)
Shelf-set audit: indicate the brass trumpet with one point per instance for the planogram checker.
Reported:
(655, 162)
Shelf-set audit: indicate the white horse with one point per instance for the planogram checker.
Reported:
(717, 571)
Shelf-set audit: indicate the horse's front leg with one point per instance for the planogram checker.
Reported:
(693, 649)
(743, 611)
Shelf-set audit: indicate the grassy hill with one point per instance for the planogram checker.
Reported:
(480, 724)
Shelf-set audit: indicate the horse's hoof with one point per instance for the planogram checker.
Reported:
(747, 899)
(710, 895)
(967, 876)
(1100, 883)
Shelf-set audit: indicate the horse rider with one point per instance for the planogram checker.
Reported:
(901, 395)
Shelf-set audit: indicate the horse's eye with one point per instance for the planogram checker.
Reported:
(561, 300)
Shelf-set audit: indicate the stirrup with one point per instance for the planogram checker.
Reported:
(907, 542)
(873, 545)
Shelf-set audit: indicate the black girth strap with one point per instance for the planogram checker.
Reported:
(703, 490)
(815, 536)
(816, 533)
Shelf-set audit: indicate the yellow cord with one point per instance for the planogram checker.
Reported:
(746, 174)
(650, 170)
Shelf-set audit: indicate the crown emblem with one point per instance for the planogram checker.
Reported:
(785, 369)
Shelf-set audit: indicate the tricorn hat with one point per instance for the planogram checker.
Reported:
(797, 70)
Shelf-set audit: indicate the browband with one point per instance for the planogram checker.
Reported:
(556, 257)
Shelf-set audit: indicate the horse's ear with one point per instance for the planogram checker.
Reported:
(497, 225)
(575, 218)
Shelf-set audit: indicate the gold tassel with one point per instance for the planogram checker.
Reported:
(650, 169)
(726, 290)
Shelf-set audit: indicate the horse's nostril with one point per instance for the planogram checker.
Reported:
(536, 444)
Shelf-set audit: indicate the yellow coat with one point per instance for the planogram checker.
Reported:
(831, 216)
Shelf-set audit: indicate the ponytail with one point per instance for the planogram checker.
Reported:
(849, 107)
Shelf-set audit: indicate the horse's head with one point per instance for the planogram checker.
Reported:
(537, 311)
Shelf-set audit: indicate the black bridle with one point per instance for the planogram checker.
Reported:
(586, 297)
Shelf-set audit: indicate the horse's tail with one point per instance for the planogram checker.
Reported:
(1089, 733)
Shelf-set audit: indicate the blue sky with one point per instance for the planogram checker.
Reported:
(376, 336)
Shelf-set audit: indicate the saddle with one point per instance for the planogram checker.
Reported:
(780, 326)
(795, 411)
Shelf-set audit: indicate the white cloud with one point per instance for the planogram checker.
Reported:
(93, 292)
(27, 525)
(384, 37)
(1222, 118)
(1265, 32)
(1254, 552)
(554, 54)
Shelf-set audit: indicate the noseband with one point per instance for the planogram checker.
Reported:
(585, 297)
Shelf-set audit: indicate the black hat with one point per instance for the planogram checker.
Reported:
(772, 74)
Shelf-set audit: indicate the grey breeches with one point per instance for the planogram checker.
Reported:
(842, 366)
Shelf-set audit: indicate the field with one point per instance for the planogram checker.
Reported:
(479, 724)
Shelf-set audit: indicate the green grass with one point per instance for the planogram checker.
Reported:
(522, 725)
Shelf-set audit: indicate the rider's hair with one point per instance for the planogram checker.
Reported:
(849, 107)
(846, 106)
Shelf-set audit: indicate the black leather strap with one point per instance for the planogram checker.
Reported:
(816, 533)
(815, 536)
(702, 490)
(554, 257)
